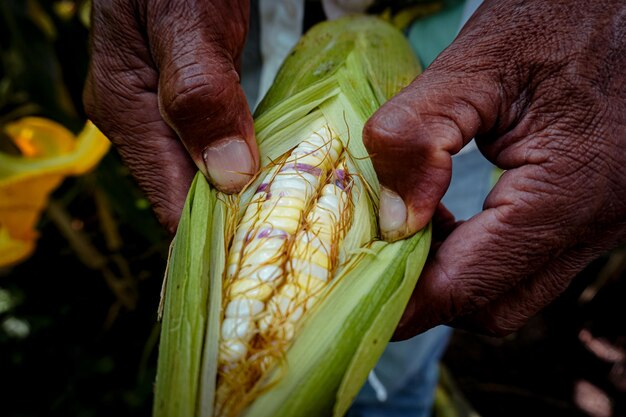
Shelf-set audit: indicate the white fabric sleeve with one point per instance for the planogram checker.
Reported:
(281, 27)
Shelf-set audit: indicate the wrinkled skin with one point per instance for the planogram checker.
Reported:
(542, 86)
(163, 85)
(540, 83)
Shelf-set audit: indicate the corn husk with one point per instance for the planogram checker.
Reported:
(337, 76)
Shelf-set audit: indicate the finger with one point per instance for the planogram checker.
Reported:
(120, 98)
(199, 91)
(520, 231)
(412, 137)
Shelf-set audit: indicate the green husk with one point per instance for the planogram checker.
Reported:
(338, 75)
(185, 312)
(343, 339)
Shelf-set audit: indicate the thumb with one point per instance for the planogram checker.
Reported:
(200, 96)
(412, 137)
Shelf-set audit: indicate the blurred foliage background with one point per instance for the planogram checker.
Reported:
(78, 329)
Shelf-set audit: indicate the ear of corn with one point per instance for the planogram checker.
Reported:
(280, 300)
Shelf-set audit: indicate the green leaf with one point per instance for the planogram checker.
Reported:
(185, 315)
(217, 263)
(381, 328)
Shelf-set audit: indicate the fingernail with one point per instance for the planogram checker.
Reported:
(393, 215)
(229, 164)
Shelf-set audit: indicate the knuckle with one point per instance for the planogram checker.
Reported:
(374, 134)
(380, 136)
(191, 89)
(185, 97)
(414, 133)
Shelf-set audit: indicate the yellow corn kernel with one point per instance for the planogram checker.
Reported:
(256, 260)
(312, 261)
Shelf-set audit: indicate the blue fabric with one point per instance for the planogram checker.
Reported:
(430, 35)
(409, 372)
(472, 179)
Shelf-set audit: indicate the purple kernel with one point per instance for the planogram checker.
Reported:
(310, 169)
(281, 234)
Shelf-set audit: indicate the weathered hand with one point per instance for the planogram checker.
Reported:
(163, 85)
(541, 85)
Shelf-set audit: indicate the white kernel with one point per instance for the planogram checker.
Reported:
(267, 273)
(248, 288)
(280, 305)
(237, 328)
(312, 300)
(314, 270)
(287, 331)
(244, 307)
(232, 350)
(295, 173)
(264, 323)
(270, 242)
(289, 290)
(300, 194)
(296, 188)
(332, 189)
(270, 212)
(312, 239)
(323, 217)
(255, 256)
(329, 201)
(285, 201)
(309, 283)
(287, 224)
(300, 261)
(296, 314)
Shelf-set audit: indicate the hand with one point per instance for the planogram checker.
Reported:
(541, 85)
(163, 85)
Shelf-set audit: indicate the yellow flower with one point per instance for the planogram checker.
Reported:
(49, 153)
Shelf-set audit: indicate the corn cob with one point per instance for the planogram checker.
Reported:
(312, 260)
(301, 293)
(259, 251)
